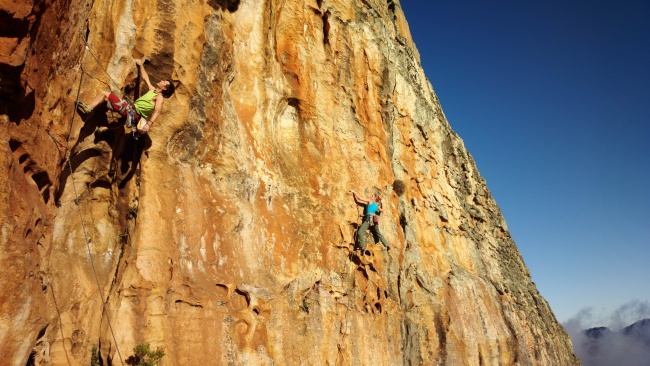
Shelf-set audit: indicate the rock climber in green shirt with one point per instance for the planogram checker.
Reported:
(147, 107)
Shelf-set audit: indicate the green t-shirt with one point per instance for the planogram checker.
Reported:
(144, 105)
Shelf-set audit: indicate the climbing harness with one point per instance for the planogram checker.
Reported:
(78, 203)
(372, 218)
(134, 121)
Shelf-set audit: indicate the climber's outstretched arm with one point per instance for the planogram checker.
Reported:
(143, 73)
(360, 200)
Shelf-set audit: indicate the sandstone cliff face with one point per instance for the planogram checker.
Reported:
(225, 235)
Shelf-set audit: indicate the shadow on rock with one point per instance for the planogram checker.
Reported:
(125, 151)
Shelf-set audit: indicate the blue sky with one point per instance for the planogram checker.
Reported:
(552, 99)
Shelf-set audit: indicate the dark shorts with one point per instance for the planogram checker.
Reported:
(116, 104)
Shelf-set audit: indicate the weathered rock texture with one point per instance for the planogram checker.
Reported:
(224, 237)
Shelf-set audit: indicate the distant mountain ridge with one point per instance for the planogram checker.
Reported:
(601, 346)
(639, 330)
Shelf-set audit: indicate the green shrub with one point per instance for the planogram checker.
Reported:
(94, 357)
(144, 356)
(399, 187)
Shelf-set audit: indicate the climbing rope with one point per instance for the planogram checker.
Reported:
(100, 80)
(78, 203)
(88, 49)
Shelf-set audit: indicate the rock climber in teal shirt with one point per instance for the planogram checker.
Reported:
(370, 220)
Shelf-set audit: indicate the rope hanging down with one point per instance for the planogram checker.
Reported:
(78, 202)
(100, 65)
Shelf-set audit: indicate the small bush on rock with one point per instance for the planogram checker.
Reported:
(94, 357)
(399, 187)
(144, 356)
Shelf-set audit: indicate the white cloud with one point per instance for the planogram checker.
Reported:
(612, 348)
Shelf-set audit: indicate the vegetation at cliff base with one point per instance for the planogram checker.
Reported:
(144, 356)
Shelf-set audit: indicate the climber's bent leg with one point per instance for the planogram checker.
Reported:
(115, 103)
(101, 97)
(361, 235)
(377, 235)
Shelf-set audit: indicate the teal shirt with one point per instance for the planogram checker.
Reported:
(372, 208)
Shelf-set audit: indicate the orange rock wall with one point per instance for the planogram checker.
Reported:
(225, 236)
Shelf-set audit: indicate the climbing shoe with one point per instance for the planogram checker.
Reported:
(83, 108)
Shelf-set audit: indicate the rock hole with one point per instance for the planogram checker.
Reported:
(230, 5)
(14, 144)
(32, 359)
(363, 272)
(233, 5)
(319, 3)
(378, 307)
(402, 222)
(29, 166)
(256, 311)
(40, 177)
(22, 158)
(391, 7)
(418, 281)
(100, 184)
(180, 301)
(41, 333)
(43, 182)
(15, 27)
(242, 299)
(294, 102)
(326, 28)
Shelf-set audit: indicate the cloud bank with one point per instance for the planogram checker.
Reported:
(612, 347)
